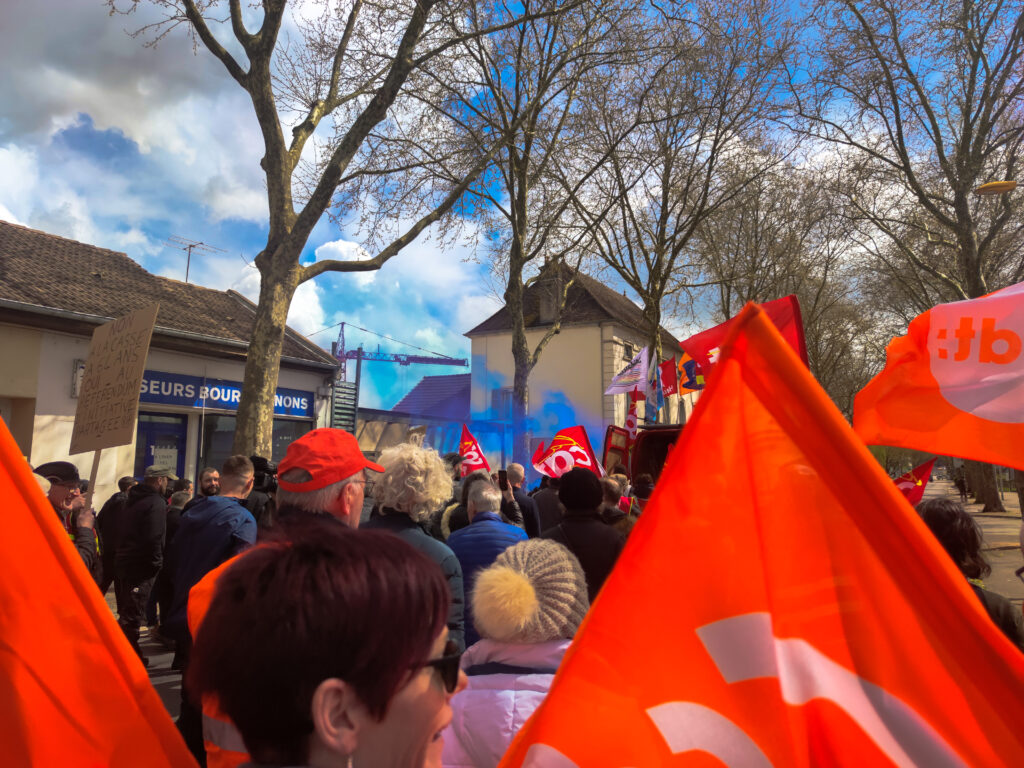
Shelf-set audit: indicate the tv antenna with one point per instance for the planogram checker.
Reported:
(184, 244)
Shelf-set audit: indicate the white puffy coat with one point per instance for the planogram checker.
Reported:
(489, 712)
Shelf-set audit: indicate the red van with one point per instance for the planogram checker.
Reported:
(649, 452)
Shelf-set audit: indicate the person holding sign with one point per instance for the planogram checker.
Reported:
(67, 501)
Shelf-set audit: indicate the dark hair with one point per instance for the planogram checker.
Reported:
(126, 482)
(181, 484)
(958, 533)
(317, 600)
(554, 483)
(643, 486)
(611, 489)
(208, 471)
(619, 469)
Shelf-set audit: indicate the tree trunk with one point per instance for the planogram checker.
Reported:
(982, 478)
(254, 427)
(1018, 483)
(652, 314)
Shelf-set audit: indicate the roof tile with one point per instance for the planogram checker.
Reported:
(51, 271)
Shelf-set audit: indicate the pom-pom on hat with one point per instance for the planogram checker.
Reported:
(580, 489)
(534, 591)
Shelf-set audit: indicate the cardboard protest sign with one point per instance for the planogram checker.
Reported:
(108, 400)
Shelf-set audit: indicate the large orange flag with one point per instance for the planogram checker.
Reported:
(72, 691)
(779, 604)
(954, 384)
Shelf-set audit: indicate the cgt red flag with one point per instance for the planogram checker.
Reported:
(669, 383)
(569, 448)
(827, 626)
(472, 457)
(72, 690)
(784, 313)
(913, 483)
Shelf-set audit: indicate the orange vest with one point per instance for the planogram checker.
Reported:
(222, 741)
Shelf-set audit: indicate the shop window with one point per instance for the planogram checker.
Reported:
(219, 438)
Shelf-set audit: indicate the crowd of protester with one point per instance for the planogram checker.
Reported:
(426, 638)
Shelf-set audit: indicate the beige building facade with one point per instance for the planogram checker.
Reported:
(600, 333)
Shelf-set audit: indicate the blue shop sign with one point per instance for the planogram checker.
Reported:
(200, 392)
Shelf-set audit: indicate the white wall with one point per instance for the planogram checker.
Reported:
(567, 386)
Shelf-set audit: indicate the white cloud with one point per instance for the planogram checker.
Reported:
(6, 215)
(306, 313)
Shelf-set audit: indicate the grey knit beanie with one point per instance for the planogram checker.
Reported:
(533, 592)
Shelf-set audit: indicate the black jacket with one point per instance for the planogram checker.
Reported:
(595, 543)
(110, 525)
(141, 551)
(549, 508)
(1002, 612)
(528, 510)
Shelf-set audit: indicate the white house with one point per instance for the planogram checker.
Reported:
(601, 331)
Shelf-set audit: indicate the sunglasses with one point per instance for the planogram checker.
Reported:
(448, 665)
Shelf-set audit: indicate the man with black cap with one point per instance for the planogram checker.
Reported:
(65, 496)
(141, 551)
(596, 544)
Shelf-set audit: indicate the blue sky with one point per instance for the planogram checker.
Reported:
(121, 146)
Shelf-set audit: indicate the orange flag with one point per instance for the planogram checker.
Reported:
(779, 604)
(954, 384)
(72, 691)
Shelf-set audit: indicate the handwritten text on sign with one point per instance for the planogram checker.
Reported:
(108, 400)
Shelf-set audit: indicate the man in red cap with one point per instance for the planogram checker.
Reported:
(324, 472)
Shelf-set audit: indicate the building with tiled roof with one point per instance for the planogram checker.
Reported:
(54, 292)
(440, 397)
(600, 332)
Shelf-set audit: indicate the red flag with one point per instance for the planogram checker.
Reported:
(784, 313)
(472, 457)
(913, 483)
(569, 448)
(828, 626)
(669, 383)
(636, 396)
(72, 690)
(954, 384)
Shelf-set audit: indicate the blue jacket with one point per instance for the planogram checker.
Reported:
(402, 526)
(214, 530)
(477, 546)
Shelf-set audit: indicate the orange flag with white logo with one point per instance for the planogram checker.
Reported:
(72, 690)
(954, 384)
(779, 604)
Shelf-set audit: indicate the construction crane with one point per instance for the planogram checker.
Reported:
(184, 244)
(344, 355)
(345, 397)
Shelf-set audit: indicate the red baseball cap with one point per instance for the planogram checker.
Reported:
(329, 455)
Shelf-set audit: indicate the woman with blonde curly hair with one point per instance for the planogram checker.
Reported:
(414, 484)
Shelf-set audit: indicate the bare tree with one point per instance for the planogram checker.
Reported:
(537, 77)
(320, 92)
(922, 104)
(784, 234)
(708, 101)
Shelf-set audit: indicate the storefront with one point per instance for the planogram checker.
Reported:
(207, 406)
(195, 363)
